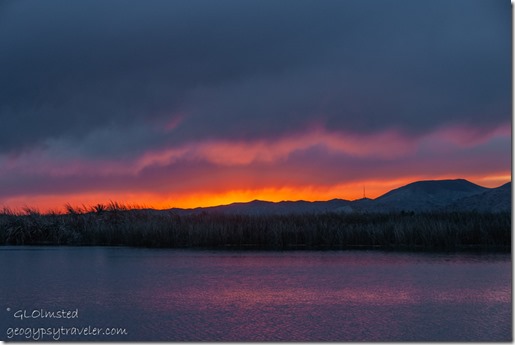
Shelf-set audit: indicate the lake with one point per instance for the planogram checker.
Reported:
(85, 293)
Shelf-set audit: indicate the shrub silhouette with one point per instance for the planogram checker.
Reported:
(117, 224)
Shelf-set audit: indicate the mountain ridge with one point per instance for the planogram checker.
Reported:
(418, 196)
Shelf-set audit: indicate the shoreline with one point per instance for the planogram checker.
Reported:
(442, 231)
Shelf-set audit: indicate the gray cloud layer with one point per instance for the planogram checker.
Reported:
(104, 77)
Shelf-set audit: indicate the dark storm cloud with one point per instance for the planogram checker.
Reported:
(74, 71)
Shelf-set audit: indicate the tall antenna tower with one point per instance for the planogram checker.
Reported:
(364, 196)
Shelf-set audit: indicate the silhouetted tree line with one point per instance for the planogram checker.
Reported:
(116, 224)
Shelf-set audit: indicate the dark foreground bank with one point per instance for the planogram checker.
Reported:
(149, 228)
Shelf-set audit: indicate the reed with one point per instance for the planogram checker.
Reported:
(116, 224)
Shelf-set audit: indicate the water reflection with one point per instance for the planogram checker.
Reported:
(269, 296)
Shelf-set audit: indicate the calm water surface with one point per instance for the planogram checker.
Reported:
(179, 295)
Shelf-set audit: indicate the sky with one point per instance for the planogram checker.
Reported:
(186, 103)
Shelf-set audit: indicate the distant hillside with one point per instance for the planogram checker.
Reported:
(421, 196)
(258, 207)
(426, 195)
(493, 200)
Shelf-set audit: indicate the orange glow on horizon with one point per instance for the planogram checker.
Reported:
(349, 191)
